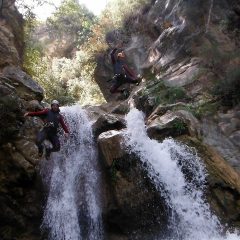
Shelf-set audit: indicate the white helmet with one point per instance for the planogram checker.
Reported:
(55, 102)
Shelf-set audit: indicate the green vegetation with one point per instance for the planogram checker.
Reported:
(204, 109)
(64, 59)
(118, 10)
(67, 79)
(72, 22)
(180, 127)
(164, 94)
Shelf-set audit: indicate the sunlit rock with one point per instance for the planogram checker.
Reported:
(107, 122)
(25, 86)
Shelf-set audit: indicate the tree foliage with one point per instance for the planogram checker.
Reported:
(71, 20)
(72, 79)
(118, 10)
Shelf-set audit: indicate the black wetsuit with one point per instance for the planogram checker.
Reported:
(51, 120)
(122, 74)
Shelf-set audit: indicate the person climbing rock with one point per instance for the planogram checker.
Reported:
(52, 118)
(122, 73)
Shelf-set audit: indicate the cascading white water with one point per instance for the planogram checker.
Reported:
(73, 210)
(184, 192)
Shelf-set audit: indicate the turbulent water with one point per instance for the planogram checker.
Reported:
(180, 171)
(72, 176)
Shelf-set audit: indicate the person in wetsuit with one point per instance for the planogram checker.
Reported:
(52, 118)
(122, 73)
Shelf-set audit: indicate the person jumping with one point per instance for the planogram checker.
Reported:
(122, 73)
(52, 118)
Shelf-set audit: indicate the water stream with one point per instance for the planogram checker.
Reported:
(73, 209)
(182, 174)
(73, 179)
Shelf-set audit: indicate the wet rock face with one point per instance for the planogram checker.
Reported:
(21, 198)
(11, 35)
(20, 194)
(229, 124)
(222, 132)
(223, 184)
(133, 204)
(20, 202)
(107, 122)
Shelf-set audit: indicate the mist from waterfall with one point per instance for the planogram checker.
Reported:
(72, 176)
(179, 174)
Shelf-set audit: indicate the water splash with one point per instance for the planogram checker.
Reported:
(166, 162)
(73, 209)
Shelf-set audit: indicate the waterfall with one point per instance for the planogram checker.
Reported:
(72, 176)
(182, 174)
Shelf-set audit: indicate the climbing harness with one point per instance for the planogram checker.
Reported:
(48, 124)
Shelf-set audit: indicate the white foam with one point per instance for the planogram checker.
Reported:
(73, 209)
(185, 196)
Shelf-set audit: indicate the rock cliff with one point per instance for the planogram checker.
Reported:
(20, 201)
(188, 54)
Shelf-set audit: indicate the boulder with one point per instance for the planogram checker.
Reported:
(166, 125)
(25, 86)
(107, 122)
(110, 145)
(133, 203)
(162, 109)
